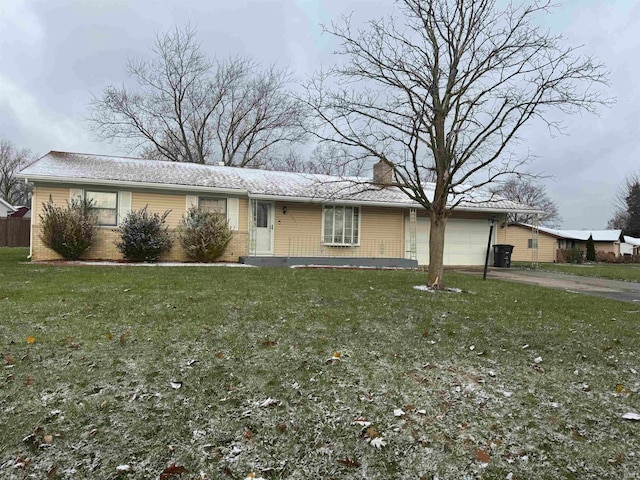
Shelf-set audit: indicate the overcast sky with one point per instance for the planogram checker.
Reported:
(55, 53)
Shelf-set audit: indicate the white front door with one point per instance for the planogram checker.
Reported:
(264, 228)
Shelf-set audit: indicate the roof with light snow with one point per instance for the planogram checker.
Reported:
(77, 168)
(597, 235)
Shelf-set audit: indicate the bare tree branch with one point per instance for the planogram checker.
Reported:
(443, 91)
(12, 160)
(189, 109)
(527, 192)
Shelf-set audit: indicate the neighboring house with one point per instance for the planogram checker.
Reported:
(6, 208)
(551, 240)
(631, 246)
(521, 236)
(277, 217)
(21, 212)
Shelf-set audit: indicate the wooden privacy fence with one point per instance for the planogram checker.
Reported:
(15, 232)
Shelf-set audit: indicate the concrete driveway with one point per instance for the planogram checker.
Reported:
(615, 289)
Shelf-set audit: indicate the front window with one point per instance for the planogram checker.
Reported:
(532, 243)
(213, 204)
(341, 225)
(105, 205)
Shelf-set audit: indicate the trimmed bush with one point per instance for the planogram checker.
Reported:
(144, 236)
(204, 235)
(68, 231)
(573, 255)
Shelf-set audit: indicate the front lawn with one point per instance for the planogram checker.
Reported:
(613, 271)
(309, 374)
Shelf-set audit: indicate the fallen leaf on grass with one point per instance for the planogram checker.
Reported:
(31, 339)
(371, 433)
(219, 354)
(123, 468)
(398, 412)
(8, 358)
(28, 381)
(335, 357)
(269, 343)
(252, 476)
(631, 416)
(48, 438)
(21, 463)
(270, 402)
(172, 471)
(175, 385)
(348, 462)
(378, 442)
(362, 421)
(482, 456)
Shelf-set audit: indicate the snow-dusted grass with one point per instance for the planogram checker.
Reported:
(613, 271)
(304, 374)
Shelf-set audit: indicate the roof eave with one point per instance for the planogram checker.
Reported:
(258, 196)
(129, 184)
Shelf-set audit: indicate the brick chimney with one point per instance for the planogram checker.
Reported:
(383, 173)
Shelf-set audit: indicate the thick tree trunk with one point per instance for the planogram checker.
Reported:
(436, 248)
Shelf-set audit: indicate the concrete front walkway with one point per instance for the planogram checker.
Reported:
(615, 289)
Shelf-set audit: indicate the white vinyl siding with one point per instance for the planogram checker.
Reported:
(341, 225)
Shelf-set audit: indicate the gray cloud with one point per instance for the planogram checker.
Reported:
(56, 52)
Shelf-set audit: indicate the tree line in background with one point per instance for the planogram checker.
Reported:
(439, 91)
(12, 160)
(627, 207)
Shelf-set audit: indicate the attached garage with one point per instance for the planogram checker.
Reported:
(465, 241)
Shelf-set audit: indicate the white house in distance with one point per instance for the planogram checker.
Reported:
(6, 208)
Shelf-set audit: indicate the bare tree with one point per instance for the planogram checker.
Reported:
(443, 91)
(527, 192)
(325, 159)
(627, 207)
(618, 221)
(187, 108)
(12, 159)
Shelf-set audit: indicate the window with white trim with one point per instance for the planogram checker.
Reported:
(105, 205)
(532, 243)
(213, 204)
(341, 225)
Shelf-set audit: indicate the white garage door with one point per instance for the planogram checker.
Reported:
(465, 241)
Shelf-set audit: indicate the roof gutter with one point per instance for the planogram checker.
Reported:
(124, 183)
(285, 198)
(239, 191)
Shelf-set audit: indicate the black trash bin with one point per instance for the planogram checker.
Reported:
(502, 255)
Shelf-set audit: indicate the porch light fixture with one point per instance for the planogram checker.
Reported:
(284, 210)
